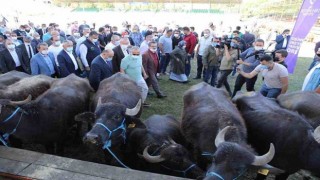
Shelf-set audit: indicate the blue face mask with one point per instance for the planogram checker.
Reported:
(233, 45)
(214, 44)
(109, 59)
(264, 66)
(135, 57)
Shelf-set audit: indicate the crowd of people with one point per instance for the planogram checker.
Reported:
(146, 55)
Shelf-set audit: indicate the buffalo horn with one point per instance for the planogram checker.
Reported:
(99, 102)
(134, 111)
(264, 159)
(17, 103)
(316, 134)
(151, 159)
(220, 136)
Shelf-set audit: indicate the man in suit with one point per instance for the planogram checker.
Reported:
(28, 50)
(67, 60)
(2, 44)
(35, 41)
(11, 59)
(43, 62)
(101, 68)
(150, 62)
(42, 31)
(120, 52)
(89, 50)
(282, 40)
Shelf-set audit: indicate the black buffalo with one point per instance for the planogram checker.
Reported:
(154, 148)
(208, 110)
(294, 138)
(34, 86)
(47, 119)
(305, 103)
(11, 77)
(117, 104)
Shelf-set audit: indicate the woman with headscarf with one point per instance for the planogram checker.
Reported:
(178, 61)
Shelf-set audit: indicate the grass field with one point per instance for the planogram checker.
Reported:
(173, 104)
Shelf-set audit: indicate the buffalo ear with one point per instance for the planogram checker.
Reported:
(86, 116)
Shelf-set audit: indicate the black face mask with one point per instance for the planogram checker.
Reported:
(276, 59)
(318, 55)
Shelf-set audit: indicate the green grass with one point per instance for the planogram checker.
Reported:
(173, 104)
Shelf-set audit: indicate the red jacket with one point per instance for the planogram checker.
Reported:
(191, 42)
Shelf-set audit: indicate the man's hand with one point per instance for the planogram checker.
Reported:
(145, 76)
(189, 55)
(87, 68)
(239, 70)
(239, 61)
(225, 47)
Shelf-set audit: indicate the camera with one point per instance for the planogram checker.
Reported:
(259, 54)
(225, 41)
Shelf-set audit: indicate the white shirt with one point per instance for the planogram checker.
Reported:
(15, 58)
(204, 43)
(27, 48)
(110, 46)
(73, 60)
(144, 47)
(306, 80)
(83, 55)
(284, 42)
(79, 42)
(55, 51)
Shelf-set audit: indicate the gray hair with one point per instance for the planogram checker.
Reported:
(42, 44)
(107, 51)
(133, 48)
(66, 42)
(113, 37)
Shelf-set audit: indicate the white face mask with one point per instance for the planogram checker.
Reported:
(44, 52)
(124, 47)
(176, 35)
(206, 35)
(87, 35)
(11, 46)
(69, 49)
(153, 50)
(94, 40)
(38, 37)
(257, 48)
(14, 38)
(8, 35)
(57, 43)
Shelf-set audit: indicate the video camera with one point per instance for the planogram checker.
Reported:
(226, 41)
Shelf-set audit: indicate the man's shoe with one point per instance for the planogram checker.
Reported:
(197, 78)
(161, 95)
(146, 104)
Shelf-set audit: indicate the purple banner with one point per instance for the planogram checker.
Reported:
(307, 16)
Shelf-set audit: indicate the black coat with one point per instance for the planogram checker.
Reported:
(25, 54)
(7, 63)
(66, 65)
(116, 60)
(100, 70)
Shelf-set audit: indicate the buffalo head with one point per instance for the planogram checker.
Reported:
(109, 121)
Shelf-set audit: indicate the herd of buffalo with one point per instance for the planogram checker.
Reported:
(217, 138)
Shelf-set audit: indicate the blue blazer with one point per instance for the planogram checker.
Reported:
(99, 70)
(39, 66)
(279, 40)
(65, 63)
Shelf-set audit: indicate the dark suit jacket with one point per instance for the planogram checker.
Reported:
(7, 63)
(99, 70)
(116, 60)
(66, 64)
(148, 63)
(25, 53)
(279, 40)
(40, 32)
(35, 43)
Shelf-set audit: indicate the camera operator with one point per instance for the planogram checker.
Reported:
(251, 60)
(230, 54)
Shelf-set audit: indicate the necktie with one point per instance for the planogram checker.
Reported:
(30, 52)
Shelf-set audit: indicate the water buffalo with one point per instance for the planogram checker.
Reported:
(34, 86)
(294, 138)
(46, 119)
(305, 103)
(117, 103)
(206, 111)
(154, 148)
(11, 77)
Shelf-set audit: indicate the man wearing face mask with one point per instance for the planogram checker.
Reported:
(204, 42)
(43, 62)
(132, 66)
(282, 40)
(101, 68)
(28, 50)
(89, 49)
(12, 59)
(42, 30)
(312, 80)
(275, 77)
(55, 34)
(21, 32)
(144, 45)
(35, 41)
(85, 35)
(115, 41)
(136, 35)
(280, 57)
(67, 60)
(176, 38)
(150, 61)
(15, 39)
(55, 48)
(210, 58)
(248, 61)
(120, 52)
(165, 45)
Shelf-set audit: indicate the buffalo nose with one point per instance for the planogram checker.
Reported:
(92, 139)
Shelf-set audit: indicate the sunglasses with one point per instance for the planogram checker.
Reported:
(136, 54)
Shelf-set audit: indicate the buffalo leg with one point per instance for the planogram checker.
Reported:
(15, 142)
(50, 148)
(60, 148)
